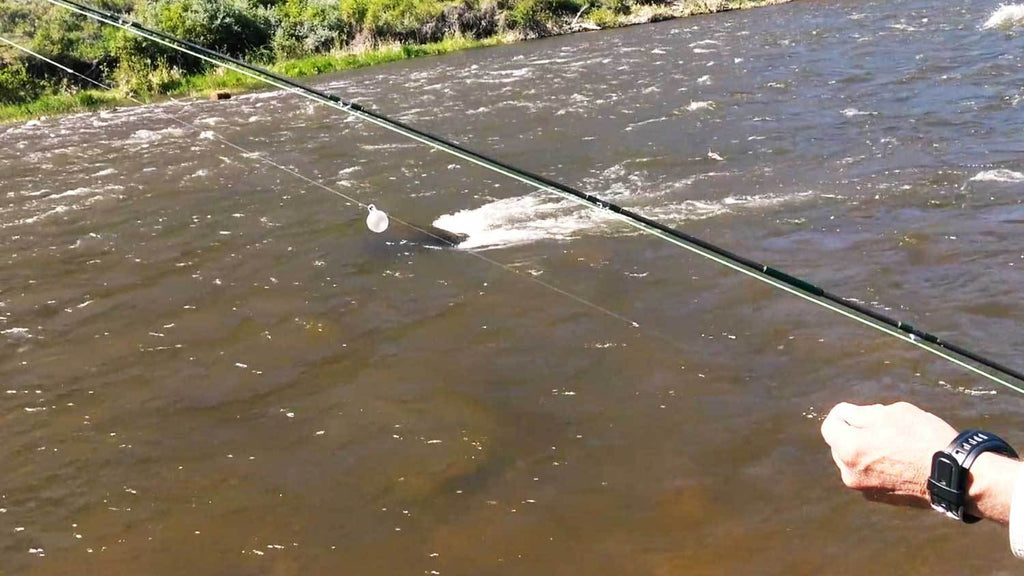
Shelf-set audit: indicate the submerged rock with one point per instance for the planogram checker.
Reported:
(441, 236)
(426, 235)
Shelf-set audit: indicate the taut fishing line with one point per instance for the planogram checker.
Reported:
(376, 221)
(977, 363)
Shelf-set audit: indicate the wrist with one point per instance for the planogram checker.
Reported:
(990, 486)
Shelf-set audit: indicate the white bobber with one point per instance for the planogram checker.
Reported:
(376, 220)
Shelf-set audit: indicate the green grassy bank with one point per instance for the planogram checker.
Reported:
(137, 70)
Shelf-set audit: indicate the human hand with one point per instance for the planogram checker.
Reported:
(886, 451)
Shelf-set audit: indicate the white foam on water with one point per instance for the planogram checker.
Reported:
(149, 136)
(851, 112)
(503, 76)
(16, 333)
(76, 192)
(645, 122)
(38, 217)
(701, 209)
(33, 193)
(535, 217)
(520, 220)
(29, 127)
(766, 200)
(106, 172)
(700, 105)
(1006, 17)
(544, 61)
(392, 146)
(1000, 175)
(976, 392)
(686, 210)
(42, 206)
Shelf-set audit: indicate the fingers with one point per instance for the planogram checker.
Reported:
(861, 416)
(833, 428)
(846, 415)
(884, 451)
(843, 430)
(837, 424)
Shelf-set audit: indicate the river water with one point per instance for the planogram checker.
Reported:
(211, 366)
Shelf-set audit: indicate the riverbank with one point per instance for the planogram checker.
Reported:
(202, 84)
(220, 79)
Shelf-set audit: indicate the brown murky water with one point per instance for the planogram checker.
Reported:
(211, 367)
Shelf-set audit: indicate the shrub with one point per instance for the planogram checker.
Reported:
(71, 39)
(141, 66)
(15, 17)
(398, 20)
(603, 17)
(617, 7)
(466, 18)
(135, 57)
(354, 11)
(16, 86)
(223, 25)
(308, 27)
(534, 16)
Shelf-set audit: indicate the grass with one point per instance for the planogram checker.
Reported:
(53, 104)
(223, 79)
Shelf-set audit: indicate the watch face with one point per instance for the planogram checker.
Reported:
(945, 485)
(943, 470)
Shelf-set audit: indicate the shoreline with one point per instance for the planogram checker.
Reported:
(219, 79)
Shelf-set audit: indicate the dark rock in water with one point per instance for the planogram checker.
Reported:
(220, 95)
(441, 236)
(424, 235)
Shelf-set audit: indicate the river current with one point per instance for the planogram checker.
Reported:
(210, 366)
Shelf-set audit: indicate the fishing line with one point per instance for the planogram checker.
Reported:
(959, 355)
(250, 154)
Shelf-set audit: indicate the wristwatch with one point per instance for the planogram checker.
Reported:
(947, 485)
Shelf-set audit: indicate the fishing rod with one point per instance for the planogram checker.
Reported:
(973, 361)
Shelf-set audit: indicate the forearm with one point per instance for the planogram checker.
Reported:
(990, 486)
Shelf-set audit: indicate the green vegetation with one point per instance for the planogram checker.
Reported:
(16, 85)
(50, 104)
(293, 37)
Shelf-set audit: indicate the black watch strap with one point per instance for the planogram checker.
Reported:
(947, 485)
